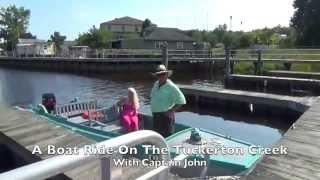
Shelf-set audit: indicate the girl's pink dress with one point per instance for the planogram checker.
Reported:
(129, 117)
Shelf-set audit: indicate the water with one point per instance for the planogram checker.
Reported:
(26, 87)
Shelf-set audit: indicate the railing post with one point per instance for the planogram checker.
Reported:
(105, 168)
(227, 68)
(90, 118)
(164, 48)
(227, 62)
(258, 64)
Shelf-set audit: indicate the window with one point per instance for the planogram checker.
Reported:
(157, 44)
(123, 29)
(179, 45)
(136, 28)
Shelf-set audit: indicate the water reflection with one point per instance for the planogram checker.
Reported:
(26, 87)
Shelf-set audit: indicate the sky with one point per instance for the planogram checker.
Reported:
(72, 17)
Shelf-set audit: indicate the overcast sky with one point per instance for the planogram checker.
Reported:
(71, 17)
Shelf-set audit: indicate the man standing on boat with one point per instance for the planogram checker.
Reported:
(166, 98)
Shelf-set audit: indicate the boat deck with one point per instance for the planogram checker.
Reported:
(303, 158)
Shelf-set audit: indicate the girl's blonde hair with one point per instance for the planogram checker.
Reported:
(133, 97)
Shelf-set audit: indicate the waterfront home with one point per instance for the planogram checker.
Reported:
(154, 37)
(34, 47)
(124, 25)
(65, 48)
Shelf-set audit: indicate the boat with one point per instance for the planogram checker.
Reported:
(100, 124)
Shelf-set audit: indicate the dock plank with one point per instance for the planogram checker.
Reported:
(30, 131)
(303, 158)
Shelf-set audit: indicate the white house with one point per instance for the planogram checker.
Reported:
(34, 47)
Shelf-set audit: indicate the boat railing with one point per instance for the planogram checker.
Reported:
(63, 163)
(72, 109)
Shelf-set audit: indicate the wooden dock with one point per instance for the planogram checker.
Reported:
(295, 74)
(30, 130)
(295, 103)
(271, 79)
(307, 87)
(303, 158)
(302, 140)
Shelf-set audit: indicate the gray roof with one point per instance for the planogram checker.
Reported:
(30, 41)
(124, 21)
(69, 43)
(166, 34)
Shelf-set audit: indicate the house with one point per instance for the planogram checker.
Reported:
(65, 48)
(34, 47)
(79, 51)
(154, 37)
(124, 25)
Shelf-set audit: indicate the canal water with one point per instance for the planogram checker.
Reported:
(19, 87)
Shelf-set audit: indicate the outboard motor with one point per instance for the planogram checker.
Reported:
(49, 101)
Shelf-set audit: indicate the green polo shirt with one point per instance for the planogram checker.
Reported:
(165, 97)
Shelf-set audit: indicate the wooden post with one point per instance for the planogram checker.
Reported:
(258, 64)
(231, 67)
(105, 168)
(227, 62)
(227, 68)
(164, 48)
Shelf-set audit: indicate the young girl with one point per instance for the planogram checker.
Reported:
(129, 113)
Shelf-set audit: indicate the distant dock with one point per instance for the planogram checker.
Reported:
(295, 74)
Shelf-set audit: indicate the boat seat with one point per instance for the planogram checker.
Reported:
(78, 120)
(114, 126)
(75, 109)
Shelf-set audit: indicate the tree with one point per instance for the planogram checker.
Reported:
(211, 38)
(306, 21)
(246, 40)
(228, 40)
(57, 40)
(28, 36)
(13, 23)
(196, 36)
(220, 32)
(95, 38)
(288, 42)
(146, 23)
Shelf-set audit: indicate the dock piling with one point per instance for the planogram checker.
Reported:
(164, 48)
(227, 55)
(258, 63)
